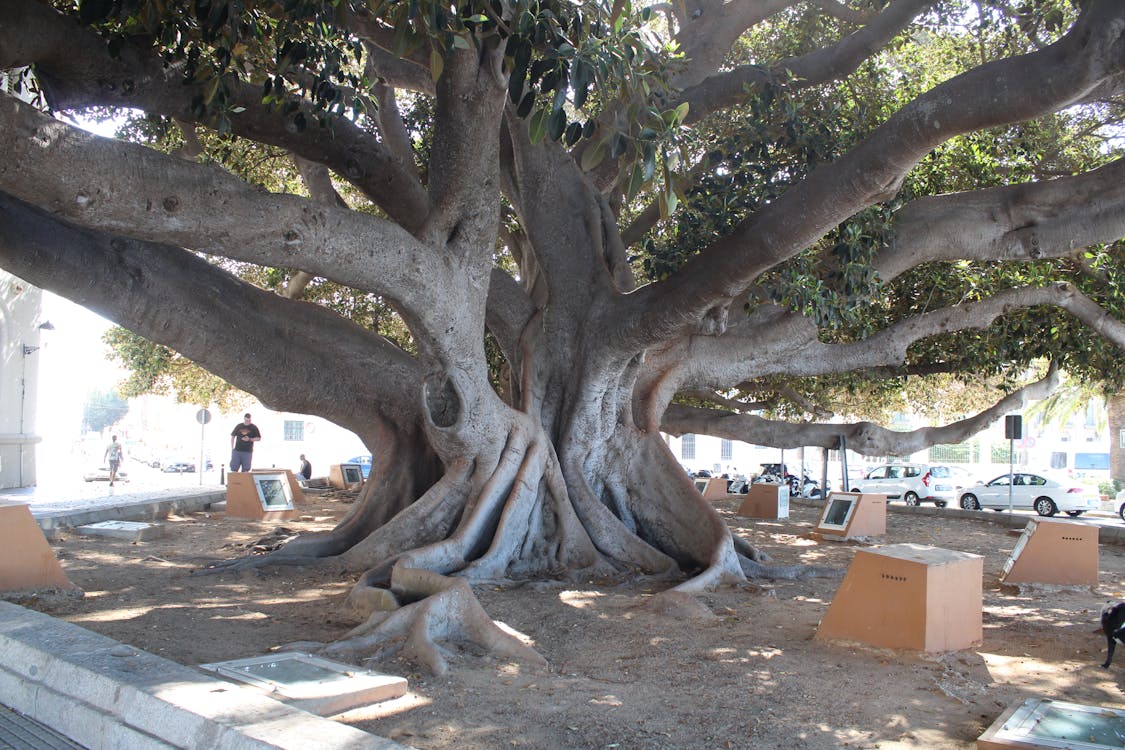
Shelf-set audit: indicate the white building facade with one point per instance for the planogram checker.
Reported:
(20, 332)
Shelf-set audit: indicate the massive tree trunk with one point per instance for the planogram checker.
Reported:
(565, 475)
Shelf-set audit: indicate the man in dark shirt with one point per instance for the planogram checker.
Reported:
(306, 468)
(242, 439)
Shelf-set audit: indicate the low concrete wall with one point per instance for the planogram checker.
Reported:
(109, 696)
(138, 508)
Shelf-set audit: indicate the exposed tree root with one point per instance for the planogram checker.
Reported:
(753, 569)
(428, 519)
(448, 613)
(522, 512)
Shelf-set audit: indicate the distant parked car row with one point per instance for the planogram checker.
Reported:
(941, 484)
(916, 483)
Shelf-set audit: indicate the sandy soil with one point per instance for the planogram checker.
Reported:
(743, 672)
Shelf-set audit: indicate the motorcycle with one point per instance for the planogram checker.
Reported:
(807, 487)
(803, 486)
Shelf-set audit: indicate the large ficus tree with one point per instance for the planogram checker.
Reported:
(593, 221)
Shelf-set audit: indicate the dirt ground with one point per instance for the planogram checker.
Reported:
(745, 674)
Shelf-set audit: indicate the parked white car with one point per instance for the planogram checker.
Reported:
(1031, 491)
(916, 483)
(1121, 505)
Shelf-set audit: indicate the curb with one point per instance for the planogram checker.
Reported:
(106, 695)
(1106, 534)
(138, 508)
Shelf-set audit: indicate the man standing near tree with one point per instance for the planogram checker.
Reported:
(242, 439)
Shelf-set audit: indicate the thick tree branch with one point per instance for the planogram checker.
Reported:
(162, 199)
(708, 29)
(842, 11)
(830, 63)
(395, 135)
(396, 72)
(764, 343)
(173, 297)
(564, 218)
(64, 56)
(464, 182)
(862, 437)
(1053, 219)
(1009, 90)
(509, 311)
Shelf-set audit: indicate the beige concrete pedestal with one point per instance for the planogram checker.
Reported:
(244, 500)
(765, 501)
(866, 515)
(345, 476)
(716, 489)
(908, 596)
(26, 560)
(1058, 552)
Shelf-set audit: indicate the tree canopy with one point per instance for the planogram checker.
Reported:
(102, 409)
(509, 243)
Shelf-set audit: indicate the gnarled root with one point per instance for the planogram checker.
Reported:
(447, 611)
(754, 569)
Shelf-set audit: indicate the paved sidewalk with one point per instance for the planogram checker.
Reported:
(55, 508)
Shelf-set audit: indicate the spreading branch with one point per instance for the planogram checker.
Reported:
(64, 56)
(863, 437)
(1008, 90)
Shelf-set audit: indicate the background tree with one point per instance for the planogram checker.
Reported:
(592, 222)
(102, 409)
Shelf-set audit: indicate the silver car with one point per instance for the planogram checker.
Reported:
(1030, 491)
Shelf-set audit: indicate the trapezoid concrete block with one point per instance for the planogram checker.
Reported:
(263, 495)
(27, 562)
(1054, 552)
(909, 596)
(765, 501)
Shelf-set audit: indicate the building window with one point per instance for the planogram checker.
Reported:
(294, 429)
(726, 450)
(687, 447)
(1121, 438)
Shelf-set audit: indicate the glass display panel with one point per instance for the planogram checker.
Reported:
(274, 492)
(1055, 724)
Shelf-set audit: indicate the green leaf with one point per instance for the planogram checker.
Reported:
(437, 64)
(211, 90)
(593, 156)
(537, 125)
(573, 133)
(618, 145)
(636, 181)
(556, 124)
(649, 161)
(526, 104)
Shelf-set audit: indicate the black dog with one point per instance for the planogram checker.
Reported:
(1113, 625)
